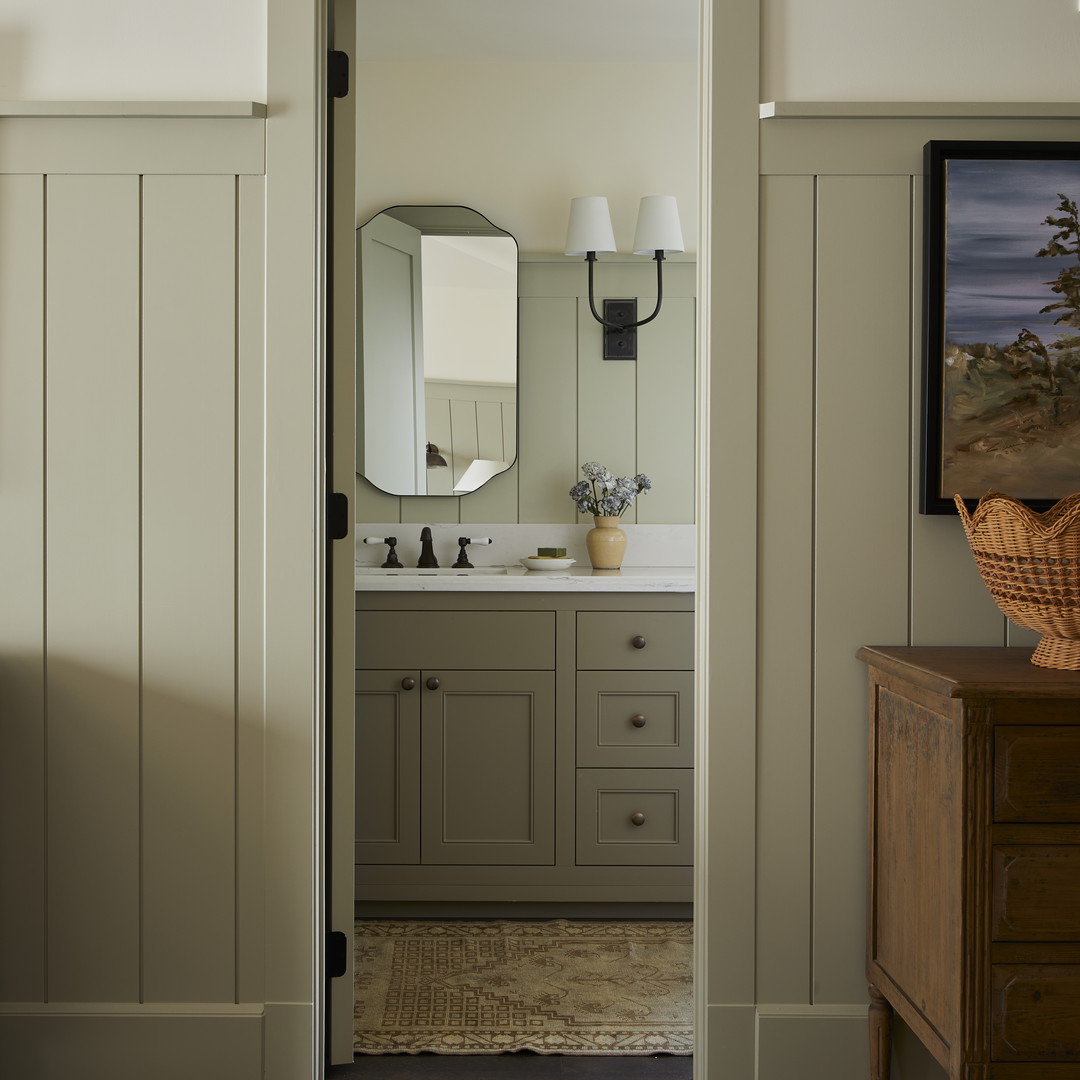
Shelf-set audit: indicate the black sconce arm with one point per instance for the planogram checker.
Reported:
(590, 258)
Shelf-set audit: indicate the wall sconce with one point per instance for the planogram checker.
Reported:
(658, 233)
(435, 460)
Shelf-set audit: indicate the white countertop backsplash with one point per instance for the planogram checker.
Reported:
(646, 545)
(659, 558)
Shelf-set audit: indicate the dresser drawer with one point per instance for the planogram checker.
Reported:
(635, 718)
(517, 640)
(635, 640)
(1034, 1012)
(628, 817)
(1037, 774)
(1036, 893)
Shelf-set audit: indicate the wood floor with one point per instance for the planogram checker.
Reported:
(519, 1066)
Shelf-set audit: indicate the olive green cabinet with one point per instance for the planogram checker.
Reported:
(521, 747)
(467, 741)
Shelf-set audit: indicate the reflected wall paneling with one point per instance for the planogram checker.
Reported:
(574, 406)
(131, 288)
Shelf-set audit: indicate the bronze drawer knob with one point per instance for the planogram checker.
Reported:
(433, 683)
(407, 683)
(637, 819)
(638, 642)
(638, 721)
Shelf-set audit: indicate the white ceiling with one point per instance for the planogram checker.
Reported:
(527, 30)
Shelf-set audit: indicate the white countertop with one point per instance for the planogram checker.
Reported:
(630, 579)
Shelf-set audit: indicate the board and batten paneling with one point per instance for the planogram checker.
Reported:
(130, 795)
(846, 559)
(573, 406)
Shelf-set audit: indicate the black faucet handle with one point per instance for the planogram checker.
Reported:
(463, 556)
(392, 562)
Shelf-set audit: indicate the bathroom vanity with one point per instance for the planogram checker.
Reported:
(525, 737)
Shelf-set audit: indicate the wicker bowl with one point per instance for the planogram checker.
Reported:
(1031, 564)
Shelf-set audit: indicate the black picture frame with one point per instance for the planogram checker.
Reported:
(982, 277)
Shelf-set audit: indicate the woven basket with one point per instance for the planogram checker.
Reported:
(1031, 565)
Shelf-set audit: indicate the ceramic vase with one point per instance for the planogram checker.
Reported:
(606, 543)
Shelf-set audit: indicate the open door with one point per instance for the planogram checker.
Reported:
(341, 455)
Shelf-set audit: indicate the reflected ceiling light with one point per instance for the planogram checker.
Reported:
(658, 233)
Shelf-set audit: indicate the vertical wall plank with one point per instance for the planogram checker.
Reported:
(375, 505)
(666, 401)
(92, 604)
(250, 880)
(440, 481)
(786, 538)
(863, 519)
(22, 628)
(547, 387)
(495, 503)
(607, 405)
(189, 603)
(466, 436)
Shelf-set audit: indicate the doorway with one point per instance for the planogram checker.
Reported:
(510, 194)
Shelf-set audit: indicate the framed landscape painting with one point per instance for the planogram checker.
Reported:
(1001, 314)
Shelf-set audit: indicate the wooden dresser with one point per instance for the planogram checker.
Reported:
(973, 934)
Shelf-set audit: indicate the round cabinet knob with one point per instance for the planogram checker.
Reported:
(433, 683)
(407, 683)
(638, 642)
(638, 721)
(637, 819)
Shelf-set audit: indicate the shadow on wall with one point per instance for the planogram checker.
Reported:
(136, 795)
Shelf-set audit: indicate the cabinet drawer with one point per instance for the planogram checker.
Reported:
(476, 640)
(610, 801)
(635, 718)
(1036, 893)
(1034, 1010)
(1037, 774)
(635, 640)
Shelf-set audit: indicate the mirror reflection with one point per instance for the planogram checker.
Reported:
(436, 350)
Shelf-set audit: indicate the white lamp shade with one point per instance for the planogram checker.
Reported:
(589, 228)
(478, 473)
(658, 227)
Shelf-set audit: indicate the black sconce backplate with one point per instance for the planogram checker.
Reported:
(620, 344)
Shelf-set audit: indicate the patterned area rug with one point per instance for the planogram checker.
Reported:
(554, 987)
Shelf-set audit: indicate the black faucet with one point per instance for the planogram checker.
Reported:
(427, 559)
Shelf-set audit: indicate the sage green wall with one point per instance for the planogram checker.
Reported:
(846, 559)
(517, 141)
(133, 763)
(634, 416)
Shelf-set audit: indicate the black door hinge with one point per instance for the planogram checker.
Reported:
(337, 70)
(337, 954)
(337, 515)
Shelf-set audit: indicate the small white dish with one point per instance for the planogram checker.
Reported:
(532, 562)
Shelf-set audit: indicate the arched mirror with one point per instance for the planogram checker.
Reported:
(437, 356)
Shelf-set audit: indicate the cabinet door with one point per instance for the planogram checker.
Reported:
(388, 766)
(488, 769)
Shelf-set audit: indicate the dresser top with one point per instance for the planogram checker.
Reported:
(972, 672)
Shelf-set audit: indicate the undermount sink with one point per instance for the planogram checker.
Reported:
(419, 571)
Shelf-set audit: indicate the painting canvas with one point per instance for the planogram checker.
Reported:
(1001, 389)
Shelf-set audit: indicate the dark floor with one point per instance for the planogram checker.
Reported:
(517, 1066)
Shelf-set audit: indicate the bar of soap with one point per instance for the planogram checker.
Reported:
(551, 553)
